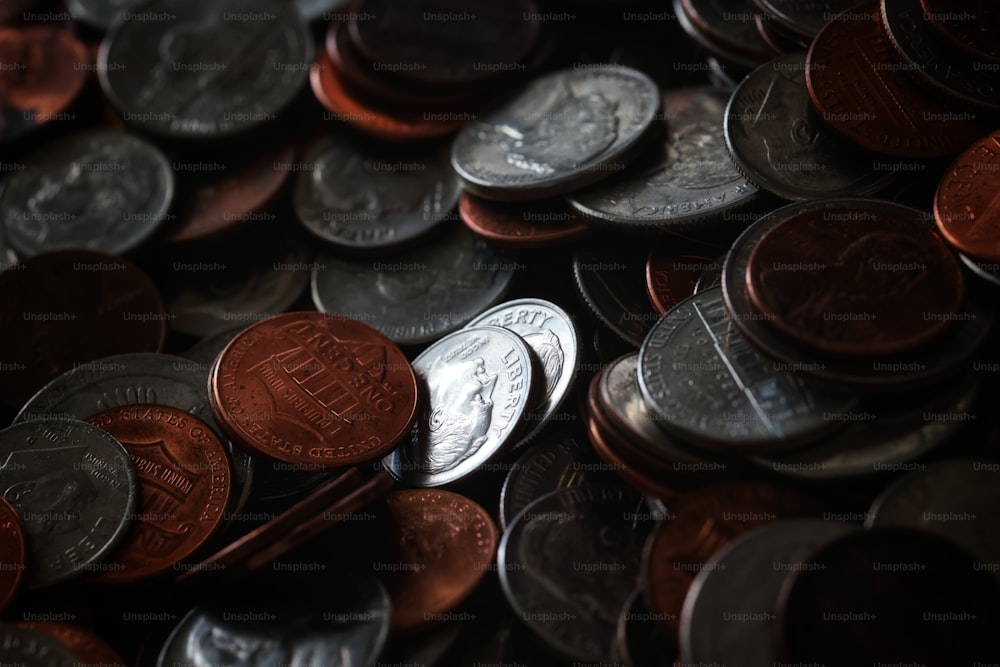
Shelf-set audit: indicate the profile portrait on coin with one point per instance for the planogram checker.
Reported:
(697, 156)
(550, 355)
(459, 417)
(367, 189)
(50, 501)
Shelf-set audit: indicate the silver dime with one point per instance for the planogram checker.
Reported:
(362, 196)
(419, 295)
(551, 335)
(560, 132)
(688, 180)
(21, 647)
(550, 465)
(205, 69)
(74, 488)
(957, 499)
(730, 609)
(780, 143)
(568, 563)
(103, 190)
(477, 388)
(707, 384)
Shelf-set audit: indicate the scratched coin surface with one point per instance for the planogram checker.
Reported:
(706, 383)
(13, 553)
(311, 388)
(75, 490)
(688, 179)
(477, 385)
(205, 69)
(103, 190)
(361, 196)
(560, 132)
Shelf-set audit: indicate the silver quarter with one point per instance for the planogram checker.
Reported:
(103, 190)
(478, 384)
(560, 132)
(75, 489)
(552, 464)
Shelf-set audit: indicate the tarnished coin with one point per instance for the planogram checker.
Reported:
(310, 388)
(706, 383)
(443, 545)
(970, 25)
(478, 385)
(550, 465)
(418, 295)
(184, 481)
(640, 639)
(361, 196)
(963, 202)
(726, 66)
(31, 648)
(781, 144)
(87, 647)
(731, 607)
(804, 19)
(568, 563)
(729, 23)
(103, 190)
(551, 335)
(956, 499)
(687, 180)
(13, 553)
(560, 132)
(75, 489)
(520, 225)
(671, 275)
(205, 69)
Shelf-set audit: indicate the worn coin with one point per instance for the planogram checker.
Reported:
(963, 202)
(13, 553)
(968, 24)
(804, 19)
(549, 465)
(730, 23)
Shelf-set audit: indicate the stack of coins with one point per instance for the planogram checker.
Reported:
(440, 333)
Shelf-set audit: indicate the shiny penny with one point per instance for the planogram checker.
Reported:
(965, 203)
(88, 648)
(444, 544)
(185, 481)
(13, 553)
(311, 388)
(521, 225)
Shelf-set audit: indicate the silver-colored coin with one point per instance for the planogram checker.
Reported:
(561, 132)
(688, 180)
(74, 488)
(103, 190)
(710, 277)
(567, 564)
(706, 383)
(338, 620)
(100, 14)
(477, 386)
(731, 607)
(205, 69)
(550, 465)
(988, 272)
(21, 647)
(957, 499)
(780, 143)
(804, 19)
(130, 379)
(728, 62)
(611, 281)
(421, 294)
(361, 196)
(551, 335)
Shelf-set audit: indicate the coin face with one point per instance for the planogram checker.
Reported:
(560, 132)
(962, 204)
(205, 69)
(75, 489)
(73, 195)
(478, 384)
(13, 553)
(310, 388)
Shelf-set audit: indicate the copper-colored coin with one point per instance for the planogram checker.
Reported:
(65, 308)
(373, 120)
(601, 439)
(860, 89)
(966, 201)
(701, 523)
(184, 480)
(971, 25)
(89, 649)
(857, 279)
(521, 225)
(444, 544)
(42, 70)
(13, 553)
(314, 389)
(671, 275)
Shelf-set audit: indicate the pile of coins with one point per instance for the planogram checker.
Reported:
(445, 333)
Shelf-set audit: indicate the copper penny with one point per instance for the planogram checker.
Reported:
(672, 273)
(89, 649)
(61, 309)
(43, 68)
(971, 25)
(857, 84)
(521, 225)
(13, 553)
(314, 389)
(444, 544)
(184, 480)
(601, 439)
(371, 119)
(701, 523)
(858, 279)
(967, 198)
